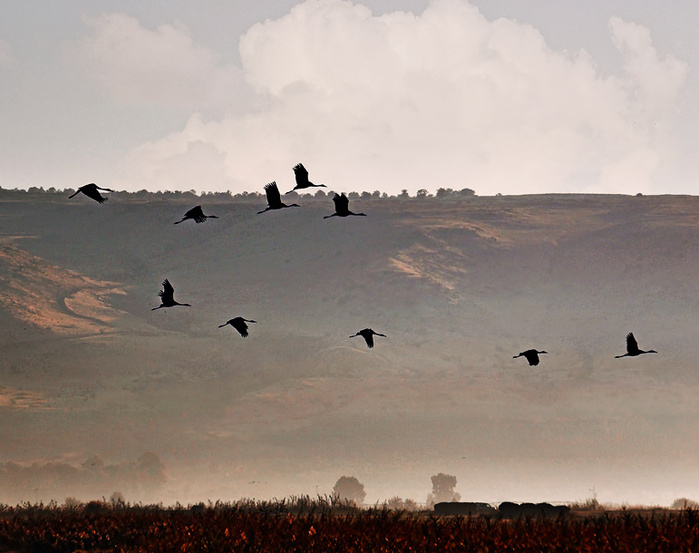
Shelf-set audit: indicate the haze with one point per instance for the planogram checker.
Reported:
(458, 285)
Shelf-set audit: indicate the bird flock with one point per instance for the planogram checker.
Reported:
(274, 202)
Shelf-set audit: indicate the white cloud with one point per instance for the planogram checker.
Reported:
(163, 67)
(657, 81)
(442, 99)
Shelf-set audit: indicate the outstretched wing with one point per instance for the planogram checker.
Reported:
(368, 335)
(274, 199)
(301, 175)
(631, 343)
(196, 213)
(341, 203)
(168, 292)
(241, 327)
(532, 356)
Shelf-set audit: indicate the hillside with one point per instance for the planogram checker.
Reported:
(459, 286)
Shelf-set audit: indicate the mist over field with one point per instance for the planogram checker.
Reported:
(459, 286)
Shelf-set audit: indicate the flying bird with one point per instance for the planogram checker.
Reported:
(632, 347)
(368, 335)
(302, 181)
(274, 199)
(167, 296)
(239, 324)
(197, 215)
(342, 207)
(92, 191)
(532, 356)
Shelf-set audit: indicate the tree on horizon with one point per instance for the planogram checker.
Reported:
(350, 489)
(443, 489)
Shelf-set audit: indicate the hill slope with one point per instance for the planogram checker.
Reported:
(459, 287)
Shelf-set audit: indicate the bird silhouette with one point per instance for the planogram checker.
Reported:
(532, 356)
(239, 324)
(92, 191)
(342, 207)
(197, 215)
(632, 347)
(302, 181)
(274, 199)
(167, 296)
(368, 335)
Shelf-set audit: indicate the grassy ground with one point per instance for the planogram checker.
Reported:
(324, 526)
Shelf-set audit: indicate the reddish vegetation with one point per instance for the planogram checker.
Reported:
(95, 527)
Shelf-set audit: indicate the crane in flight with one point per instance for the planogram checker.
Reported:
(274, 199)
(632, 349)
(239, 324)
(531, 355)
(342, 207)
(167, 297)
(197, 215)
(92, 191)
(368, 335)
(301, 176)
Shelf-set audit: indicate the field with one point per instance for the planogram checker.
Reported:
(319, 526)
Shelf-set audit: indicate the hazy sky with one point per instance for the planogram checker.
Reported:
(503, 96)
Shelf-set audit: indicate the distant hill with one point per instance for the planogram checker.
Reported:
(459, 284)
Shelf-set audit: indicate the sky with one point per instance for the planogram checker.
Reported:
(500, 96)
